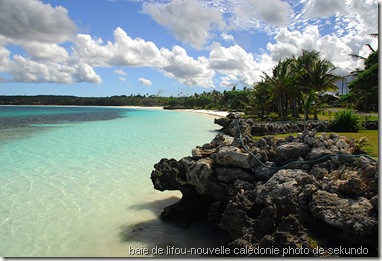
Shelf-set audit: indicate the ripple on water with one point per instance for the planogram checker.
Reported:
(82, 188)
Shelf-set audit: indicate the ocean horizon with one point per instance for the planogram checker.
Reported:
(75, 181)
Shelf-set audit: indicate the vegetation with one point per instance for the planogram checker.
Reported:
(296, 84)
(364, 87)
(346, 121)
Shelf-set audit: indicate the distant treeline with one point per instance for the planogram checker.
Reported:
(227, 100)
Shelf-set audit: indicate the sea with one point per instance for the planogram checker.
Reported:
(75, 181)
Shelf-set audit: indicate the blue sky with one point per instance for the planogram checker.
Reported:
(170, 47)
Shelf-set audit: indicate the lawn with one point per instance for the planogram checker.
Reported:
(323, 115)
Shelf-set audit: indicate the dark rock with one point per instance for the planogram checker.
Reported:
(353, 220)
(190, 208)
(292, 150)
(296, 193)
(229, 175)
(168, 175)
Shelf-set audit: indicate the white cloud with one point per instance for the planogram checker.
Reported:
(189, 21)
(235, 63)
(122, 78)
(144, 81)
(331, 47)
(187, 70)
(30, 20)
(290, 43)
(25, 70)
(4, 59)
(125, 51)
(323, 8)
(228, 37)
(46, 52)
(85, 73)
(120, 72)
(39, 29)
(255, 14)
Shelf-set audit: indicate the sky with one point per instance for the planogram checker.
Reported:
(99, 48)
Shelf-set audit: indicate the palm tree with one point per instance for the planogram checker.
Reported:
(301, 90)
(315, 76)
(322, 78)
(307, 105)
(261, 96)
(358, 71)
(279, 83)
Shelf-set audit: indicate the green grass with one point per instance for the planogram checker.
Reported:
(323, 115)
(370, 148)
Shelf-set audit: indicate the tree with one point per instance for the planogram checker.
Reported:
(261, 96)
(307, 105)
(279, 84)
(315, 76)
(364, 88)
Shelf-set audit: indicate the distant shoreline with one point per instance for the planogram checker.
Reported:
(220, 114)
(209, 112)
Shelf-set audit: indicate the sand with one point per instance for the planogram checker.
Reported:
(208, 112)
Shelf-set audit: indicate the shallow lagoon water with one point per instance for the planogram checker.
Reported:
(78, 184)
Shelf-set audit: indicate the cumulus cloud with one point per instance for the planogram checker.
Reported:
(86, 73)
(237, 65)
(145, 82)
(125, 51)
(331, 47)
(26, 70)
(46, 52)
(186, 69)
(31, 20)
(39, 29)
(189, 21)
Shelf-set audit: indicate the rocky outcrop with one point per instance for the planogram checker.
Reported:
(301, 194)
(253, 128)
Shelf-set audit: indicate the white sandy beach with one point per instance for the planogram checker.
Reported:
(140, 107)
(209, 112)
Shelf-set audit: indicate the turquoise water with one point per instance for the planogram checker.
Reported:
(75, 181)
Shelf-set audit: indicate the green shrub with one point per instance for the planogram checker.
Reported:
(346, 121)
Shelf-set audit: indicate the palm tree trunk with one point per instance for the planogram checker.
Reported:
(295, 108)
(285, 112)
(315, 114)
(280, 106)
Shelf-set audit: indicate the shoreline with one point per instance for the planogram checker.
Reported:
(220, 114)
(201, 111)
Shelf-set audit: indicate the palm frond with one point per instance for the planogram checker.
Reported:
(371, 48)
(357, 56)
(374, 35)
